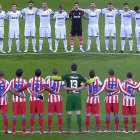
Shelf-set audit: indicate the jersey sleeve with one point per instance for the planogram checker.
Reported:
(7, 15)
(82, 13)
(99, 11)
(119, 12)
(36, 10)
(51, 12)
(54, 17)
(23, 11)
(64, 77)
(63, 84)
(85, 10)
(70, 14)
(83, 79)
(103, 11)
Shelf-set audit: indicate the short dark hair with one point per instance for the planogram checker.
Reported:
(125, 4)
(111, 72)
(37, 72)
(109, 3)
(129, 75)
(19, 72)
(60, 6)
(14, 4)
(74, 67)
(136, 8)
(76, 3)
(92, 73)
(31, 2)
(2, 74)
(54, 71)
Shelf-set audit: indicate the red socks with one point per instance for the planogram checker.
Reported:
(80, 41)
(97, 118)
(133, 123)
(49, 122)
(24, 124)
(117, 123)
(60, 121)
(87, 121)
(126, 123)
(72, 41)
(5, 121)
(107, 123)
(41, 122)
(14, 123)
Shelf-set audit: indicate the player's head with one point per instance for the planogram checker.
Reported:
(129, 75)
(76, 5)
(60, 8)
(2, 74)
(91, 73)
(136, 9)
(125, 6)
(92, 5)
(30, 4)
(55, 71)
(44, 5)
(0, 6)
(111, 72)
(110, 6)
(19, 72)
(74, 67)
(14, 7)
(37, 72)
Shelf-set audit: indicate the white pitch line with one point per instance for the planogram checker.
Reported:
(12, 54)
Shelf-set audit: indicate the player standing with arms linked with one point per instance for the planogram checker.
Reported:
(45, 27)
(30, 28)
(76, 16)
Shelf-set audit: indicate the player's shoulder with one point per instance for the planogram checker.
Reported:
(35, 8)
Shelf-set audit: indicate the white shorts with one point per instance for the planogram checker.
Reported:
(93, 30)
(126, 32)
(137, 31)
(14, 33)
(110, 30)
(29, 31)
(60, 32)
(45, 32)
(1, 32)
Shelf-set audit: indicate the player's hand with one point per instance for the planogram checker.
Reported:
(107, 94)
(56, 93)
(22, 96)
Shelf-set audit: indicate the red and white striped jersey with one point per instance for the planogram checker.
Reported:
(17, 83)
(129, 100)
(36, 84)
(91, 89)
(3, 86)
(112, 82)
(55, 86)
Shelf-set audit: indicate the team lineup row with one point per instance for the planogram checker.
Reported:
(75, 16)
(74, 84)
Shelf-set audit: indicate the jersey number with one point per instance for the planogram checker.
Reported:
(73, 83)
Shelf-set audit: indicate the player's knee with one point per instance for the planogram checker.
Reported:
(107, 37)
(113, 37)
(123, 38)
(130, 38)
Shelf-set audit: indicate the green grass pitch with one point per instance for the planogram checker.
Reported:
(101, 63)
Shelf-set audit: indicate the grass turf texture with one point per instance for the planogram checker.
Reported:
(101, 64)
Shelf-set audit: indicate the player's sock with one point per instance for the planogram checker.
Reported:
(72, 42)
(14, 123)
(98, 43)
(114, 44)
(131, 44)
(17, 43)
(5, 121)
(50, 122)
(138, 43)
(79, 122)
(26, 43)
(81, 42)
(24, 124)
(41, 122)
(1, 45)
(10, 43)
(56, 43)
(122, 44)
(68, 122)
(89, 42)
(60, 121)
(50, 43)
(126, 123)
(107, 123)
(32, 121)
(34, 42)
(116, 123)
(87, 122)
(106, 43)
(133, 123)
(65, 43)
(97, 118)
(40, 43)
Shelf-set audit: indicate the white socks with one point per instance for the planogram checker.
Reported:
(1, 45)
(65, 43)
(10, 43)
(26, 43)
(138, 43)
(17, 43)
(34, 42)
(98, 43)
(89, 43)
(131, 44)
(122, 44)
(56, 44)
(40, 43)
(106, 43)
(50, 43)
(114, 44)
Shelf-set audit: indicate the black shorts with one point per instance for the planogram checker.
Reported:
(76, 30)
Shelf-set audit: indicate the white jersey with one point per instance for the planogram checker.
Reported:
(93, 15)
(2, 15)
(126, 17)
(29, 16)
(44, 17)
(136, 16)
(110, 16)
(60, 18)
(13, 19)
